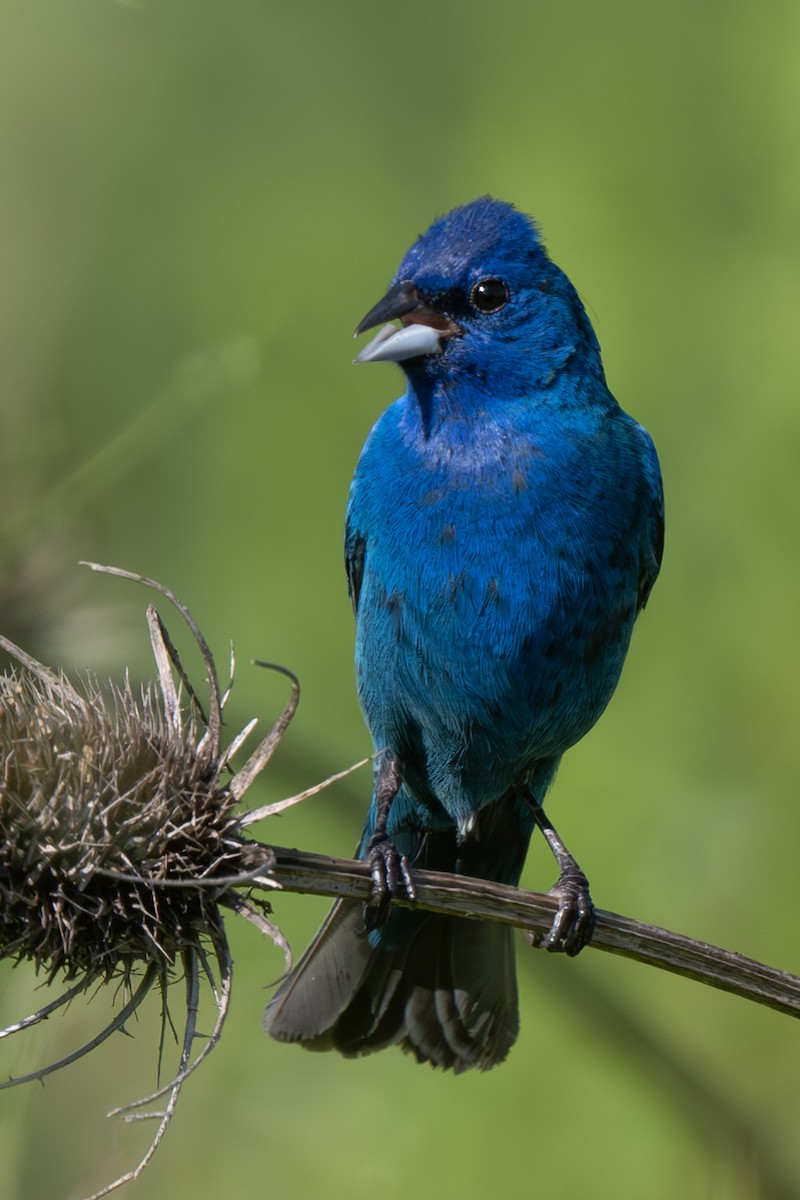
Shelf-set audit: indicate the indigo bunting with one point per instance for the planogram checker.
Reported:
(504, 528)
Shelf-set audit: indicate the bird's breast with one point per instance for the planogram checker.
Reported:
(496, 604)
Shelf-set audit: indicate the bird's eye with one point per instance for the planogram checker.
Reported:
(489, 295)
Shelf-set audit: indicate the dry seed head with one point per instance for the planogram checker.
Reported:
(96, 785)
(120, 844)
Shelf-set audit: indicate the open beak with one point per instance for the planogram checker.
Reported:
(421, 332)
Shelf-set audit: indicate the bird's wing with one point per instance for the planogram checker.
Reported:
(354, 548)
(652, 546)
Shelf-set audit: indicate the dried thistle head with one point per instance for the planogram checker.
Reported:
(121, 843)
(98, 787)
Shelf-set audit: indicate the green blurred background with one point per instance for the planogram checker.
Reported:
(200, 198)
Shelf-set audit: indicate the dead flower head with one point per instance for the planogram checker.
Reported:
(121, 843)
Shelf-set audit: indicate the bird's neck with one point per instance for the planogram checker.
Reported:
(461, 408)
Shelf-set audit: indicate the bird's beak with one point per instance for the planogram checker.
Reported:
(421, 332)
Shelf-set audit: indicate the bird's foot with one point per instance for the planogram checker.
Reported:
(574, 921)
(391, 877)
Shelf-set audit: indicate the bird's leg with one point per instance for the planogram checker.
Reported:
(573, 923)
(391, 873)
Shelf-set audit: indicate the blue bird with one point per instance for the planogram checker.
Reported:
(504, 528)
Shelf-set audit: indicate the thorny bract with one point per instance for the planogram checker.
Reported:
(121, 843)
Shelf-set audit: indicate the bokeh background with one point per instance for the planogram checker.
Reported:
(199, 201)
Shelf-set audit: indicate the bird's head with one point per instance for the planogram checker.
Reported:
(477, 296)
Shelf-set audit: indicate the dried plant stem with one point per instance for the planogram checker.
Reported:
(269, 810)
(478, 899)
(135, 1000)
(47, 1010)
(174, 1088)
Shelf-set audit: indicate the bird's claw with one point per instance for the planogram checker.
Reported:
(391, 877)
(573, 923)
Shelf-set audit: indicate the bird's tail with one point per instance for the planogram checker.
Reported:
(446, 993)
